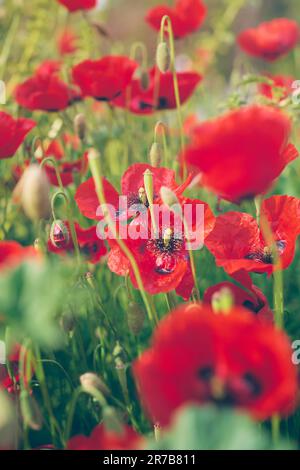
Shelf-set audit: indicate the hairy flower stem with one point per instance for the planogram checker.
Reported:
(95, 165)
(167, 21)
(277, 291)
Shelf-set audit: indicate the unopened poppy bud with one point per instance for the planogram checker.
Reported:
(222, 301)
(122, 376)
(30, 410)
(93, 154)
(160, 128)
(155, 155)
(135, 318)
(80, 126)
(168, 196)
(163, 57)
(145, 80)
(111, 420)
(55, 128)
(90, 382)
(34, 193)
(59, 234)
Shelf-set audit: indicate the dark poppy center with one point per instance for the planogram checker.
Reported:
(265, 255)
(166, 251)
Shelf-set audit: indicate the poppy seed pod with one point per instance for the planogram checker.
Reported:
(155, 154)
(59, 234)
(80, 126)
(33, 190)
(135, 318)
(90, 381)
(163, 57)
(223, 301)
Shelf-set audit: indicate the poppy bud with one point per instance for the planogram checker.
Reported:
(135, 318)
(122, 376)
(168, 196)
(90, 382)
(160, 128)
(59, 234)
(222, 301)
(155, 155)
(145, 80)
(80, 126)
(34, 190)
(30, 410)
(163, 57)
(55, 128)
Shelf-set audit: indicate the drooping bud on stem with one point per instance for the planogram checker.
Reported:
(122, 376)
(80, 126)
(59, 234)
(32, 191)
(91, 382)
(163, 57)
(168, 196)
(155, 155)
(135, 318)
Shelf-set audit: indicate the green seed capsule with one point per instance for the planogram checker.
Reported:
(155, 155)
(163, 58)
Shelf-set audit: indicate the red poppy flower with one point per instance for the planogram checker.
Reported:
(12, 133)
(132, 186)
(282, 82)
(160, 93)
(103, 439)
(90, 245)
(251, 299)
(104, 79)
(67, 42)
(12, 254)
(186, 16)
(6, 381)
(45, 91)
(76, 5)
(163, 259)
(270, 40)
(67, 169)
(198, 357)
(250, 143)
(237, 242)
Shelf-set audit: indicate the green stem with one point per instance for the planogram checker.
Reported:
(95, 166)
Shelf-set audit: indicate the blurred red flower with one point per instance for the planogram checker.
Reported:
(103, 439)
(237, 242)
(186, 16)
(163, 259)
(160, 93)
(45, 91)
(241, 153)
(90, 245)
(67, 42)
(198, 356)
(132, 186)
(67, 169)
(270, 40)
(6, 381)
(104, 79)
(251, 299)
(12, 254)
(75, 5)
(12, 133)
(282, 82)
